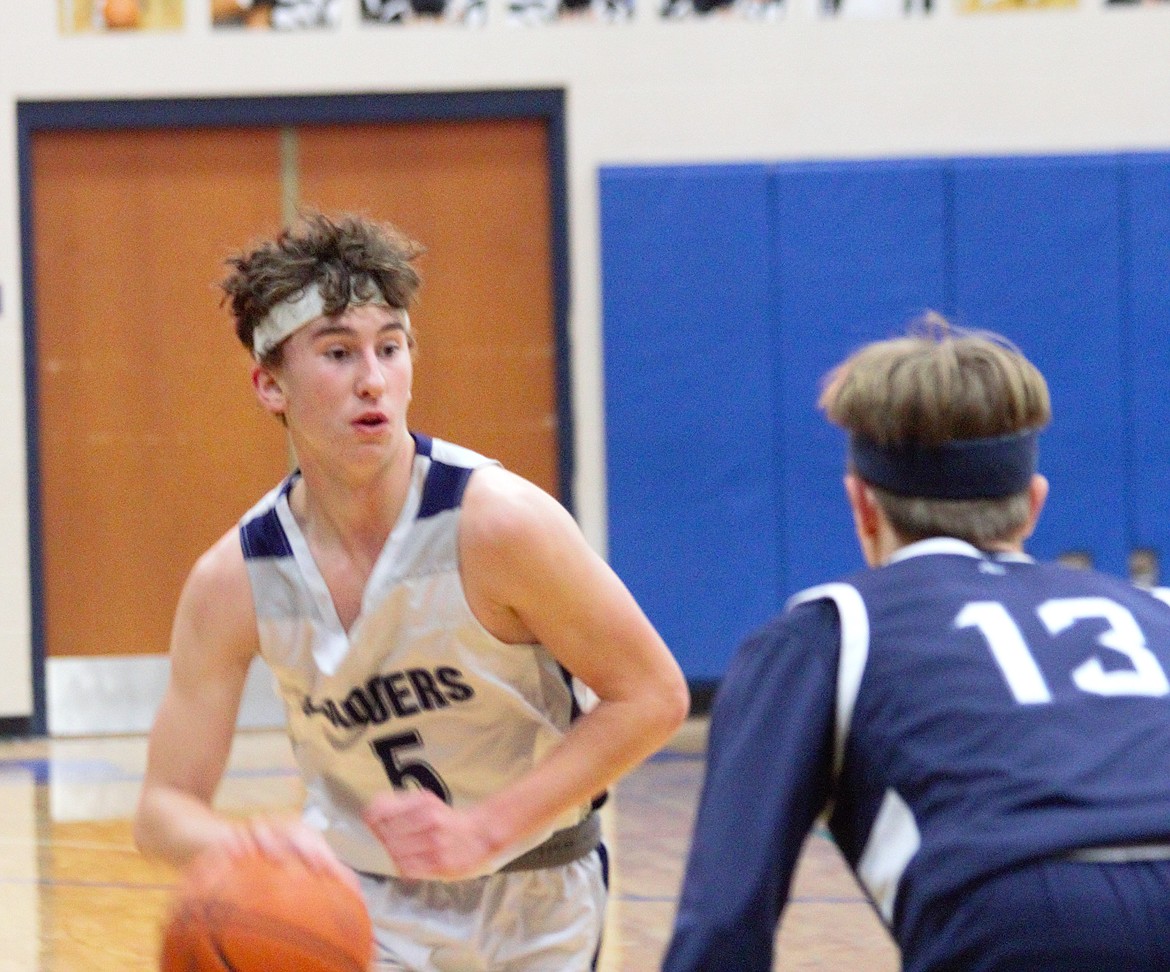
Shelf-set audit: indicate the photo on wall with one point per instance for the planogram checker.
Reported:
(274, 14)
(465, 13)
(721, 9)
(993, 6)
(876, 9)
(529, 13)
(93, 16)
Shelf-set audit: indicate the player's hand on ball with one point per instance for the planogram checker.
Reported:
(255, 913)
(426, 838)
(283, 838)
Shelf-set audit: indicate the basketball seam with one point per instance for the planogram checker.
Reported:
(219, 916)
(219, 953)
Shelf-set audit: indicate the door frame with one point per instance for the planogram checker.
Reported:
(544, 104)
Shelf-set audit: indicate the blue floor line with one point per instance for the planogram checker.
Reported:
(115, 885)
(44, 771)
(666, 899)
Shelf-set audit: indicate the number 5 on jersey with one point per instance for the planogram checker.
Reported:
(404, 772)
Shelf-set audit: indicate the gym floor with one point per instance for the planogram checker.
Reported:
(76, 897)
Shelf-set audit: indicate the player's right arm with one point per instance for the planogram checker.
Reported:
(213, 642)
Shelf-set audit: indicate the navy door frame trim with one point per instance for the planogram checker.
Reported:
(546, 104)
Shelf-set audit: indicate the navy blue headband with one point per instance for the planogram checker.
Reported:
(962, 469)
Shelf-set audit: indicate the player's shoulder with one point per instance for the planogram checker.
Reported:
(1036, 583)
(500, 506)
(494, 501)
(837, 592)
(1149, 603)
(811, 617)
(843, 600)
(1059, 579)
(220, 571)
(216, 616)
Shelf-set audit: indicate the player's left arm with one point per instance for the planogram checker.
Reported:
(770, 751)
(531, 576)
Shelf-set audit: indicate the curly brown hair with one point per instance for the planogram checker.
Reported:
(350, 258)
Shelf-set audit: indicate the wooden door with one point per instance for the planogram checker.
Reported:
(151, 443)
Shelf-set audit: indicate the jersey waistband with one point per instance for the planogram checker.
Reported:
(563, 847)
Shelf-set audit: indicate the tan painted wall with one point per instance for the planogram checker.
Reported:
(1082, 79)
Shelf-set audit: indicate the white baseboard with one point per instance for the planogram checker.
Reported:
(118, 695)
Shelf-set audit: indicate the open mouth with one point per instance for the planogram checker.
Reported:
(370, 421)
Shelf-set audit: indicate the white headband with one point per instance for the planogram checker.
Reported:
(291, 315)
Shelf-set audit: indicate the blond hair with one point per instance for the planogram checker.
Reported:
(940, 384)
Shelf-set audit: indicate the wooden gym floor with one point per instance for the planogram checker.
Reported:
(76, 897)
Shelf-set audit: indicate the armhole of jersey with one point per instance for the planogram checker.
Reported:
(854, 654)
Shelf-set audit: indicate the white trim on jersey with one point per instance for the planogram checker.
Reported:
(893, 840)
(854, 653)
(957, 548)
(1161, 593)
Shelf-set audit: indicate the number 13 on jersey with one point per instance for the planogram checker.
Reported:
(1142, 676)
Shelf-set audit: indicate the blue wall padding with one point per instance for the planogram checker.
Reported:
(689, 402)
(729, 291)
(1038, 259)
(1146, 219)
(860, 250)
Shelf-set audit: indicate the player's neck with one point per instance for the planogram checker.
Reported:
(1004, 546)
(353, 509)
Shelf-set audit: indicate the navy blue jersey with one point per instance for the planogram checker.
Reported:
(956, 715)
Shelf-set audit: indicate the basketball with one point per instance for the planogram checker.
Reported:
(257, 914)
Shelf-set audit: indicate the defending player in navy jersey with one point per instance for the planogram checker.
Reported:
(988, 736)
(463, 676)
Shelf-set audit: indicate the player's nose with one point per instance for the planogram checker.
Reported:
(370, 378)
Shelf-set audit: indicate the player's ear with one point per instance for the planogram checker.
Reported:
(1037, 494)
(866, 516)
(268, 389)
(863, 503)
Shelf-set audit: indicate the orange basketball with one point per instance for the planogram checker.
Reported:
(256, 914)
